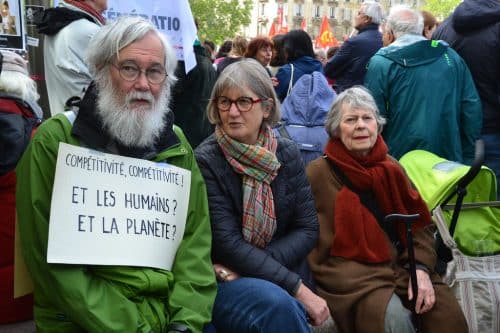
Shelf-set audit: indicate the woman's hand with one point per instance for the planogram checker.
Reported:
(315, 306)
(275, 81)
(224, 274)
(426, 297)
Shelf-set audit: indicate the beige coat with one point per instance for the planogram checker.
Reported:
(358, 293)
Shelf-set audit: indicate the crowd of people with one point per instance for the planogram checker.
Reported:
(293, 162)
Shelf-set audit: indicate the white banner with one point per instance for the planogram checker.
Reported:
(114, 210)
(172, 18)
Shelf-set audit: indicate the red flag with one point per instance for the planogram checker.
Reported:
(303, 24)
(272, 30)
(283, 26)
(325, 38)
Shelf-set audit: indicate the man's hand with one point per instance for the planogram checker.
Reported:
(426, 297)
(315, 306)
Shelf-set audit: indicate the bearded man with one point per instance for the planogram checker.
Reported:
(124, 112)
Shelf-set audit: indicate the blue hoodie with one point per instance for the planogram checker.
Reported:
(301, 66)
(304, 112)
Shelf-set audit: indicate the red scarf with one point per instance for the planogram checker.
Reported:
(358, 235)
(87, 8)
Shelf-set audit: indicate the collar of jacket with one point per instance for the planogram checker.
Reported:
(90, 131)
(30, 105)
(52, 20)
(370, 26)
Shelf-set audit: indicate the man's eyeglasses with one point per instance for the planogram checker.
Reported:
(243, 104)
(130, 71)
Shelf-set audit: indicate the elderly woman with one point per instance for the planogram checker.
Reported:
(360, 264)
(261, 208)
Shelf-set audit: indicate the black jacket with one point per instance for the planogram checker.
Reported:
(283, 260)
(348, 66)
(473, 30)
(18, 119)
(190, 97)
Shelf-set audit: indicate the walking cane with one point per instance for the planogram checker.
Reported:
(408, 219)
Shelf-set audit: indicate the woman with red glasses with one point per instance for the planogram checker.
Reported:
(262, 213)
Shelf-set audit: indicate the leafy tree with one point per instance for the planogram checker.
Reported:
(441, 9)
(222, 19)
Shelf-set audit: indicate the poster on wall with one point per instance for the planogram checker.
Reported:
(12, 27)
(172, 18)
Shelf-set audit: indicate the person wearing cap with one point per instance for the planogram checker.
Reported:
(19, 115)
(124, 113)
(68, 29)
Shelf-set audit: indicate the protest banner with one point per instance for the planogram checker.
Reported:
(114, 210)
(12, 25)
(173, 18)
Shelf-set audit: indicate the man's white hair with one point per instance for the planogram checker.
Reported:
(133, 127)
(18, 85)
(373, 9)
(403, 20)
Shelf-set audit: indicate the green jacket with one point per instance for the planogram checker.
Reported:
(426, 92)
(78, 298)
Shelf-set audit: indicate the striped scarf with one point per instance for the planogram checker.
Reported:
(259, 166)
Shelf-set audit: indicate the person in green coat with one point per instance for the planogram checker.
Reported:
(123, 113)
(424, 90)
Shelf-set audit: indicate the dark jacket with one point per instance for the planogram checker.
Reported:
(473, 30)
(301, 66)
(17, 121)
(348, 66)
(190, 97)
(226, 62)
(297, 223)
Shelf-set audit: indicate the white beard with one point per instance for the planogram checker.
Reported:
(131, 126)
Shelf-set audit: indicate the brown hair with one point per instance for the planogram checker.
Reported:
(239, 46)
(256, 44)
(429, 20)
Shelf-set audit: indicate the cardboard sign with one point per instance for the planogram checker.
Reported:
(114, 210)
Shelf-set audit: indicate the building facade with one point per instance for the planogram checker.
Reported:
(340, 14)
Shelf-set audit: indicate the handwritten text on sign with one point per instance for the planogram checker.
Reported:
(113, 210)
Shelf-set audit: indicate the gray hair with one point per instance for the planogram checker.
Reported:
(116, 35)
(403, 20)
(18, 85)
(247, 73)
(357, 97)
(373, 10)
